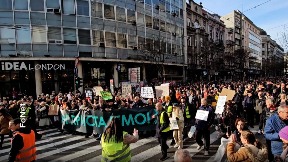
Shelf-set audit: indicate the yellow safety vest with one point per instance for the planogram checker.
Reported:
(169, 110)
(187, 114)
(162, 122)
(115, 152)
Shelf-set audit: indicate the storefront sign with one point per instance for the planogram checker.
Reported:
(23, 66)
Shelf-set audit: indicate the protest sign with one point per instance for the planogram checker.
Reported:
(173, 124)
(165, 84)
(53, 110)
(106, 95)
(202, 115)
(126, 89)
(97, 90)
(147, 92)
(220, 104)
(227, 92)
(162, 91)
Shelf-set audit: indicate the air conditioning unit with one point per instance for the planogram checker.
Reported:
(174, 34)
(102, 44)
(134, 23)
(11, 41)
(55, 41)
(174, 14)
(54, 10)
(135, 48)
(157, 7)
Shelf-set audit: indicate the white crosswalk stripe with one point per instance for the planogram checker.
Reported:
(58, 147)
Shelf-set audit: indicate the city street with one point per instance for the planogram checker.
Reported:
(57, 147)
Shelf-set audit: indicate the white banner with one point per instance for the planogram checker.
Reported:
(53, 110)
(97, 90)
(147, 92)
(202, 115)
(162, 91)
(173, 124)
(220, 104)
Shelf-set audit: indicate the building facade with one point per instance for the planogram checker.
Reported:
(247, 43)
(205, 35)
(106, 38)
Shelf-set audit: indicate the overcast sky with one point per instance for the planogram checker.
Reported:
(270, 15)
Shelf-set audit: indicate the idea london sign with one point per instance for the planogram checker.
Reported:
(27, 66)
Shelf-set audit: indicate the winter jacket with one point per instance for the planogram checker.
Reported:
(248, 153)
(273, 125)
(4, 124)
(202, 124)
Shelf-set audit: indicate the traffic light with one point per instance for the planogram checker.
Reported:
(78, 82)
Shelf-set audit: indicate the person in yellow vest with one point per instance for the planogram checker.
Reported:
(116, 143)
(168, 106)
(23, 147)
(162, 129)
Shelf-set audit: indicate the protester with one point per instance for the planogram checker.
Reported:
(203, 127)
(182, 156)
(115, 142)
(162, 130)
(283, 134)
(272, 128)
(5, 117)
(251, 151)
(23, 142)
(177, 114)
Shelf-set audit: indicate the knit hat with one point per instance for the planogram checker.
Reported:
(284, 133)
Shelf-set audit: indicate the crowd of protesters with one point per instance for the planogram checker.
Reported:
(257, 103)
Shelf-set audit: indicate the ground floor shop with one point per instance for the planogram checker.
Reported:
(33, 77)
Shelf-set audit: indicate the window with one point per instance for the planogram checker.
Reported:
(163, 47)
(54, 33)
(148, 21)
(37, 5)
(120, 14)
(131, 16)
(162, 26)
(156, 24)
(121, 40)
(140, 18)
(132, 41)
(168, 27)
(69, 7)
(141, 43)
(5, 5)
(21, 4)
(189, 42)
(84, 36)
(52, 4)
(149, 44)
(23, 35)
(39, 35)
(98, 37)
(148, 2)
(97, 10)
(169, 48)
(168, 7)
(110, 39)
(83, 8)
(69, 36)
(7, 35)
(109, 12)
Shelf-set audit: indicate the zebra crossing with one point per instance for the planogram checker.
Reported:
(58, 147)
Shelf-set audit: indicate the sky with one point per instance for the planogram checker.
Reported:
(270, 15)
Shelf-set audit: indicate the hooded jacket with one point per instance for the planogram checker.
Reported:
(17, 143)
(248, 153)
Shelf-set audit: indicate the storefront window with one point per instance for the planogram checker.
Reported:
(23, 35)
(20, 4)
(39, 35)
(109, 12)
(97, 10)
(37, 5)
